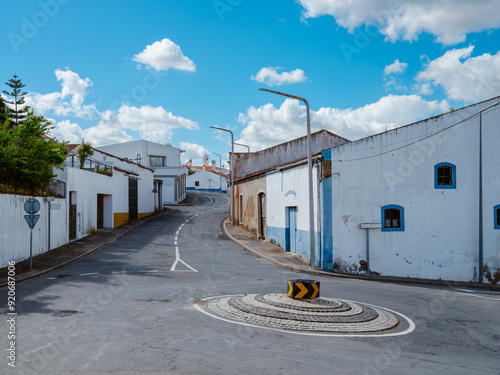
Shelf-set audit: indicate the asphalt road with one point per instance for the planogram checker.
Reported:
(129, 309)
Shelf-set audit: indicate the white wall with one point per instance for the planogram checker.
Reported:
(15, 232)
(168, 174)
(207, 181)
(440, 240)
(290, 188)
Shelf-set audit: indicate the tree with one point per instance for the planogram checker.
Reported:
(84, 152)
(27, 159)
(3, 111)
(19, 113)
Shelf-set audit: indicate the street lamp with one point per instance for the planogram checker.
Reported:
(239, 144)
(220, 171)
(309, 167)
(232, 172)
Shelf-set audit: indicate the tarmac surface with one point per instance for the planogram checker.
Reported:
(78, 249)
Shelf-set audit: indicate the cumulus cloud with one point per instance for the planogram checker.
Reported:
(151, 123)
(194, 152)
(68, 102)
(267, 126)
(164, 55)
(271, 77)
(448, 20)
(464, 77)
(395, 67)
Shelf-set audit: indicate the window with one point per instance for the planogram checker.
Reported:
(197, 183)
(393, 219)
(445, 176)
(157, 161)
(496, 213)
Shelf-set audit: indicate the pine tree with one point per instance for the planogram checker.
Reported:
(18, 113)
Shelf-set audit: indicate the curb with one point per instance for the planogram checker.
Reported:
(81, 256)
(389, 279)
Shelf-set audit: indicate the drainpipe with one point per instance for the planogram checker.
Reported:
(318, 188)
(481, 261)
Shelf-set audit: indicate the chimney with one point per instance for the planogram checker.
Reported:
(213, 165)
(190, 162)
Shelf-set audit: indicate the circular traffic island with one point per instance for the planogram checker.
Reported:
(327, 315)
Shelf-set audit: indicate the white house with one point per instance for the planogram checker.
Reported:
(108, 192)
(429, 191)
(163, 159)
(207, 180)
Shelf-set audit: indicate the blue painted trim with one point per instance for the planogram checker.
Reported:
(454, 168)
(402, 229)
(495, 216)
(209, 190)
(277, 236)
(326, 258)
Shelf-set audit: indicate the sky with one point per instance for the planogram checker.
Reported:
(112, 71)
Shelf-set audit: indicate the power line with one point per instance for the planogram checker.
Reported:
(419, 140)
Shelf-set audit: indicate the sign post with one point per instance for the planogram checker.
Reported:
(32, 206)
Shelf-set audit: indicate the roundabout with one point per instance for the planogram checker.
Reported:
(319, 316)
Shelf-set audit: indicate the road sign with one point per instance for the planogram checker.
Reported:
(306, 289)
(31, 220)
(32, 206)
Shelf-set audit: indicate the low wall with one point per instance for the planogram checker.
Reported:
(15, 232)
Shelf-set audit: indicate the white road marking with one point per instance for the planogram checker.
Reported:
(410, 329)
(177, 254)
(88, 274)
(211, 200)
(471, 293)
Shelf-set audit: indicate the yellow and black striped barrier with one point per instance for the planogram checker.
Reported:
(305, 289)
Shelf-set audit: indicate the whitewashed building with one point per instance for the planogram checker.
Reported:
(108, 192)
(428, 191)
(207, 180)
(163, 159)
(420, 201)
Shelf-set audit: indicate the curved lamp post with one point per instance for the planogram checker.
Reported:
(232, 172)
(220, 171)
(312, 253)
(240, 144)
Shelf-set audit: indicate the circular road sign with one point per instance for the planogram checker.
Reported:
(32, 206)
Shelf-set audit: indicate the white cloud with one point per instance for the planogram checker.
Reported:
(423, 89)
(68, 102)
(395, 67)
(464, 77)
(164, 55)
(73, 85)
(268, 126)
(448, 20)
(154, 123)
(271, 77)
(194, 152)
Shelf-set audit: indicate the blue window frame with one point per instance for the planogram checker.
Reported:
(393, 218)
(496, 217)
(445, 176)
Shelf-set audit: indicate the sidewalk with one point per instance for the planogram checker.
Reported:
(293, 262)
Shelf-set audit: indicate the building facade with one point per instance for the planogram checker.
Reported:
(163, 159)
(419, 201)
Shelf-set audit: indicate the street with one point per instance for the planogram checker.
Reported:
(130, 308)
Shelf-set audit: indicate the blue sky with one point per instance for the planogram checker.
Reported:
(113, 71)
